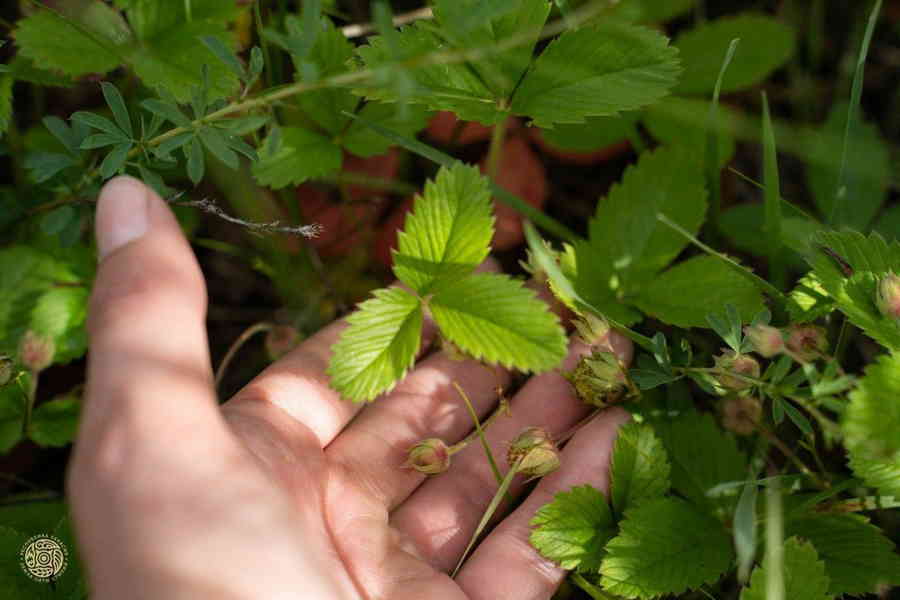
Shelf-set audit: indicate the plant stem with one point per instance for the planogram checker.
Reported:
(236, 345)
(479, 432)
(495, 151)
(790, 455)
(30, 397)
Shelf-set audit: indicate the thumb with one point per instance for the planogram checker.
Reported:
(149, 373)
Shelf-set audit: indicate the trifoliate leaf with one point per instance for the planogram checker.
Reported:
(117, 105)
(596, 133)
(804, 575)
(627, 244)
(454, 87)
(42, 294)
(362, 140)
(597, 71)
(808, 300)
(449, 230)
(573, 529)
(378, 347)
(55, 423)
(871, 424)
(702, 457)
(496, 319)
(768, 44)
(867, 172)
(55, 43)
(640, 467)
(302, 155)
(858, 557)
(671, 297)
(665, 546)
(869, 258)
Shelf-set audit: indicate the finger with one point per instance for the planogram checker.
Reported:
(298, 385)
(505, 565)
(149, 375)
(442, 514)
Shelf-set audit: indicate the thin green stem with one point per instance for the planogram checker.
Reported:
(479, 432)
(30, 397)
(495, 151)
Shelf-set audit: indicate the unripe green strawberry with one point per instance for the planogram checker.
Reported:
(806, 343)
(730, 364)
(599, 379)
(741, 414)
(767, 341)
(887, 296)
(430, 456)
(36, 351)
(534, 452)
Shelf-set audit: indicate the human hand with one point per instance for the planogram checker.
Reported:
(287, 491)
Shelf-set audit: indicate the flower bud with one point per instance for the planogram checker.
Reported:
(598, 379)
(887, 296)
(280, 340)
(534, 452)
(431, 456)
(806, 343)
(591, 328)
(730, 364)
(6, 370)
(36, 351)
(767, 341)
(741, 414)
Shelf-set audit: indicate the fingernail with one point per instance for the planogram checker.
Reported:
(121, 214)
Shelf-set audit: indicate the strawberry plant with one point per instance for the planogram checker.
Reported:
(620, 161)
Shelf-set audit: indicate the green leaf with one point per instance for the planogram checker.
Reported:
(150, 18)
(41, 293)
(869, 258)
(596, 133)
(627, 245)
(767, 45)
(167, 110)
(6, 99)
(650, 11)
(303, 155)
(378, 347)
(215, 142)
(454, 87)
(224, 54)
(672, 296)
(804, 575)
(12, 413)
(98, 122)
(196, 163)
(743, 225)
(867, 174)
(597, 71)
(66, 136)
(809, 301)
(489, 24)
(115, 160)
(573, 529)
(55, 423)
(101, 140)
(58, 219)
(858, 557)
(45, 165)
(117, 105)
(665, 546)
(362, 140)
(640, 467)
(24, 69)
(682, 122)
(871, 424)
(772, 183)
(449, 230)
(702, 457)
(52, 42)
(496, 319)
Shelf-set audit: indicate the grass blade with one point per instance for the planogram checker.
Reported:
(772, 181)
(433, 154)
(853, 112)
(711, 166)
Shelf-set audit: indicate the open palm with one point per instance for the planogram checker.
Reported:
(287, 491)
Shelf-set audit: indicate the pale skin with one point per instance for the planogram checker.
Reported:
(287, 491)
